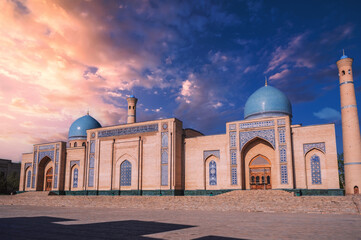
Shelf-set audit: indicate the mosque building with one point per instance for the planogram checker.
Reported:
(263, 151)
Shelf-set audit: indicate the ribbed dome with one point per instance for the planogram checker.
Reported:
(78, 129)
(267, 102)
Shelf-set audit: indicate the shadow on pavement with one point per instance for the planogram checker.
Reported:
(47, 228)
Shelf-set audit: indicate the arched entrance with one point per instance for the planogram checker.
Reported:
(260, 173)
(355, 190)
(44, 174)
(49, 179)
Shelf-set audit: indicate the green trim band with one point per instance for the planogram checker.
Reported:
(352, 163)
(346, 82)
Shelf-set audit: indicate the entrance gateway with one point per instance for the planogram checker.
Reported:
(260, 173)
(49, 179)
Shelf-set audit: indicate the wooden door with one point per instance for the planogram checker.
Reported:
(49, 179)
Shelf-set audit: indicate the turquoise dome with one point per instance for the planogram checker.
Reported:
(267, 102)
(78, 129)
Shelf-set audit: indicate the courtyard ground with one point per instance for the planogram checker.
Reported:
(237, 215)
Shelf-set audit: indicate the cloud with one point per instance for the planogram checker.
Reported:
(328, 114)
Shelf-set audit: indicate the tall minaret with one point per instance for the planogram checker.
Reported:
(350, 126)
(132, 107)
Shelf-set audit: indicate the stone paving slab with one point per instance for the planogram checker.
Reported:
(45, 222)
(243, 201)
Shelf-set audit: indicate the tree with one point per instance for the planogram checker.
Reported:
(341, 170)
(13, 182)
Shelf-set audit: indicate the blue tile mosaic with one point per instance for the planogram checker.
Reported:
(232, 126)
(49, 154)
(91, 178)
(268, 135)
(283, 155)
(72, 163)
(28, 180)
(92, 146)
(232, 139)
(234, 176)
(281, 122)
(316, 170)
(256, 124)
(27, 165)
(46, 147)
(91, 161)
(212, 173)
(126, 173)
(129, 130)
(282, 135)
(164, 139)
(75, 178)
(164, 157)
(284, 174)
(164, 175)
(233, 153)
(206, 154)
(308, 146)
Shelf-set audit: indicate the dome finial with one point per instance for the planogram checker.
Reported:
(87, 112)
(343, 52)
(343, 56)
(265, 82)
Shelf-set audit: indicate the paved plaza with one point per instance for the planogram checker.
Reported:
(44, 222)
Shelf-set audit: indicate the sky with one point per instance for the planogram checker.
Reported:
(198, 61)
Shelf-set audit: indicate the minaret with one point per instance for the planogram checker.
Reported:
(132, 107)
(350, 126)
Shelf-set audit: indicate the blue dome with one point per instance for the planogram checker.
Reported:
(267, 102)
(78, 129)
(343, 56)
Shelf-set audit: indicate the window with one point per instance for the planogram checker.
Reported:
(233, 157)
(234, 176)
(268, 180)
(343, 72)
(316, 170)
(83, 144)
(28, 180)
(126, 173)
(75, 178)
(232, 136)
(133, 107)
(283, 157)
(212, 173)
(349, 71)
(130, 107)
(284, 174)
(257, 180)
(252, 179)
(75, 144)
(282, 137)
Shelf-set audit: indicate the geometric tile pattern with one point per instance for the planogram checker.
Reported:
(316, 170)
(234, 176)
(284, 174)
(164, 139)
(212, 173)
(34, 170)
(91, 170)
(257, 124)
(232, 139)
(72, 163)
(232, 126)
(283, 156)
(165, 157)
(28, 179)
(268, 135)
(233, 156)
(46, 147)
(126, 173)
(164, 175)
(75, 178)
(320, 146)
(129, 130)
(281, 122)
(282, 137)
(206, 154)
(49, 154)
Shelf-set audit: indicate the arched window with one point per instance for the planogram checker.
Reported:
(212, 173)
(75, 144)
(126, 173)
(252, 179)
(75, 178)
(343, 72)
(28, 180)
(83, 144)
(257, 180)
(268, 180)
(316, 170)
(262, 179)
(130, 107)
